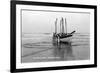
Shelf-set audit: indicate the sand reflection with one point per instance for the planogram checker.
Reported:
(63, 50)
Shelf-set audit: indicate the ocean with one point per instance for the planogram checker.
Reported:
(41, 47)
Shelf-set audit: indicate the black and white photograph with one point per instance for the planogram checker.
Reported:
(54, 35)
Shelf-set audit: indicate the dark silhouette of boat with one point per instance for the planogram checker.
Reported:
(63, 30)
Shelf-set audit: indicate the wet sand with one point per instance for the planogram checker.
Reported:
(42, 48)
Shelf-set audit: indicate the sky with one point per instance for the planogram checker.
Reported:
(44, 21)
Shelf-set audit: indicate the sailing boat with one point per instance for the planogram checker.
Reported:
(63, 30)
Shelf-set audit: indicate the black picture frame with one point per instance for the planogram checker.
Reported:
(13, 35)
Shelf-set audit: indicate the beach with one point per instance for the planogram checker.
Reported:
(41, 47)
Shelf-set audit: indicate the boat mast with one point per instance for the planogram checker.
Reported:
(65, 25)
(56, 26)
(62, 25)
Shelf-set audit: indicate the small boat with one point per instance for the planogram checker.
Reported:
(63, 30)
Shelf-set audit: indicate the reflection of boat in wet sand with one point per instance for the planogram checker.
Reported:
(63, 31)
(63, 50)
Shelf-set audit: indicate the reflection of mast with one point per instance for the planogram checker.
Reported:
(56, 26)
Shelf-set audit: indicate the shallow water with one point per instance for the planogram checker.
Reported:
(43, 48)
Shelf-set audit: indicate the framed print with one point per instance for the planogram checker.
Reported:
(52, 36)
